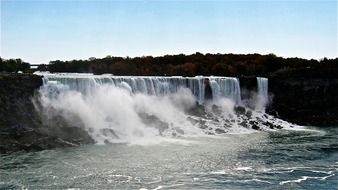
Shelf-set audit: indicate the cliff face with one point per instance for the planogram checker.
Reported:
(304, 101)
(310, 101)
(16, 108)
(248, 87)
(21, 127)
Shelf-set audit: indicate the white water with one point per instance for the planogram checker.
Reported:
(227, 87)
(145, 110)
(262, 96)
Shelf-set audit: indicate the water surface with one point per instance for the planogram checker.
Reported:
(282, 159)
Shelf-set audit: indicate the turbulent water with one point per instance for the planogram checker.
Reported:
(306, 159)
(170, 133)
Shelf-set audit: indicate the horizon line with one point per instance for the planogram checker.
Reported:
(174, 54)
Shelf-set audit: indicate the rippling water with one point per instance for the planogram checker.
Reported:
(262, 160)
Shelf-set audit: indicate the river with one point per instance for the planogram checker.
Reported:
(301, 159)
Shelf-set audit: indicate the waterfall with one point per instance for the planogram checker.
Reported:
(222, 87)
(142, 109)
(262, 96)
(226, 87)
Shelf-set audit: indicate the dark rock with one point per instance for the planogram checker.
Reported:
(109, 133)
(300, 98)
(243, 124)
(240, 110)
(207, 90)
(226, 125)
(310, 101)
(203, 126)
(248, 87)
(21, 125)
(279, 127)
(270, 125)
(248, 113)
(219, 131)
(253, 122)
(256, 127)
(153, 121)
(16, 93)
(192, 120)
(197, 110)
(36, 139)
(216, 109)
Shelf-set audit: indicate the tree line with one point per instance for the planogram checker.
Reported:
(199, 64)
(13, 65)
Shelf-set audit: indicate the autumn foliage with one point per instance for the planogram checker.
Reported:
(200, 64)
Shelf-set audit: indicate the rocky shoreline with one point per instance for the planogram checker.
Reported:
(21, 126)
(297, 100)
(305, 101)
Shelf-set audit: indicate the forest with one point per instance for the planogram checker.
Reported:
(14, 65)
(188, 65)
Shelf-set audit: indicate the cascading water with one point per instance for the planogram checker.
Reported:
(145, 109)
(262, 96)
(159, 86)
(226, 87)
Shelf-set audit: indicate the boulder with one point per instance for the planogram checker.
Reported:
(255, 127)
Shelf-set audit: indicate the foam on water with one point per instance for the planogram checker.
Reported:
(304, 178)
(287, 159)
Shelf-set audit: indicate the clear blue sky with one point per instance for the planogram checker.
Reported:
(40, 31)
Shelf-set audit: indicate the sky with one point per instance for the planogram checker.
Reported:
(41, 31)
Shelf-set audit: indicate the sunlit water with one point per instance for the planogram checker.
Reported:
(264, 160)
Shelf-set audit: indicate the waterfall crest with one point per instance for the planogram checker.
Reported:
(222, 87)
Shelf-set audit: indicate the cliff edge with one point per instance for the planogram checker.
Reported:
(21, 126)
(305, 101)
